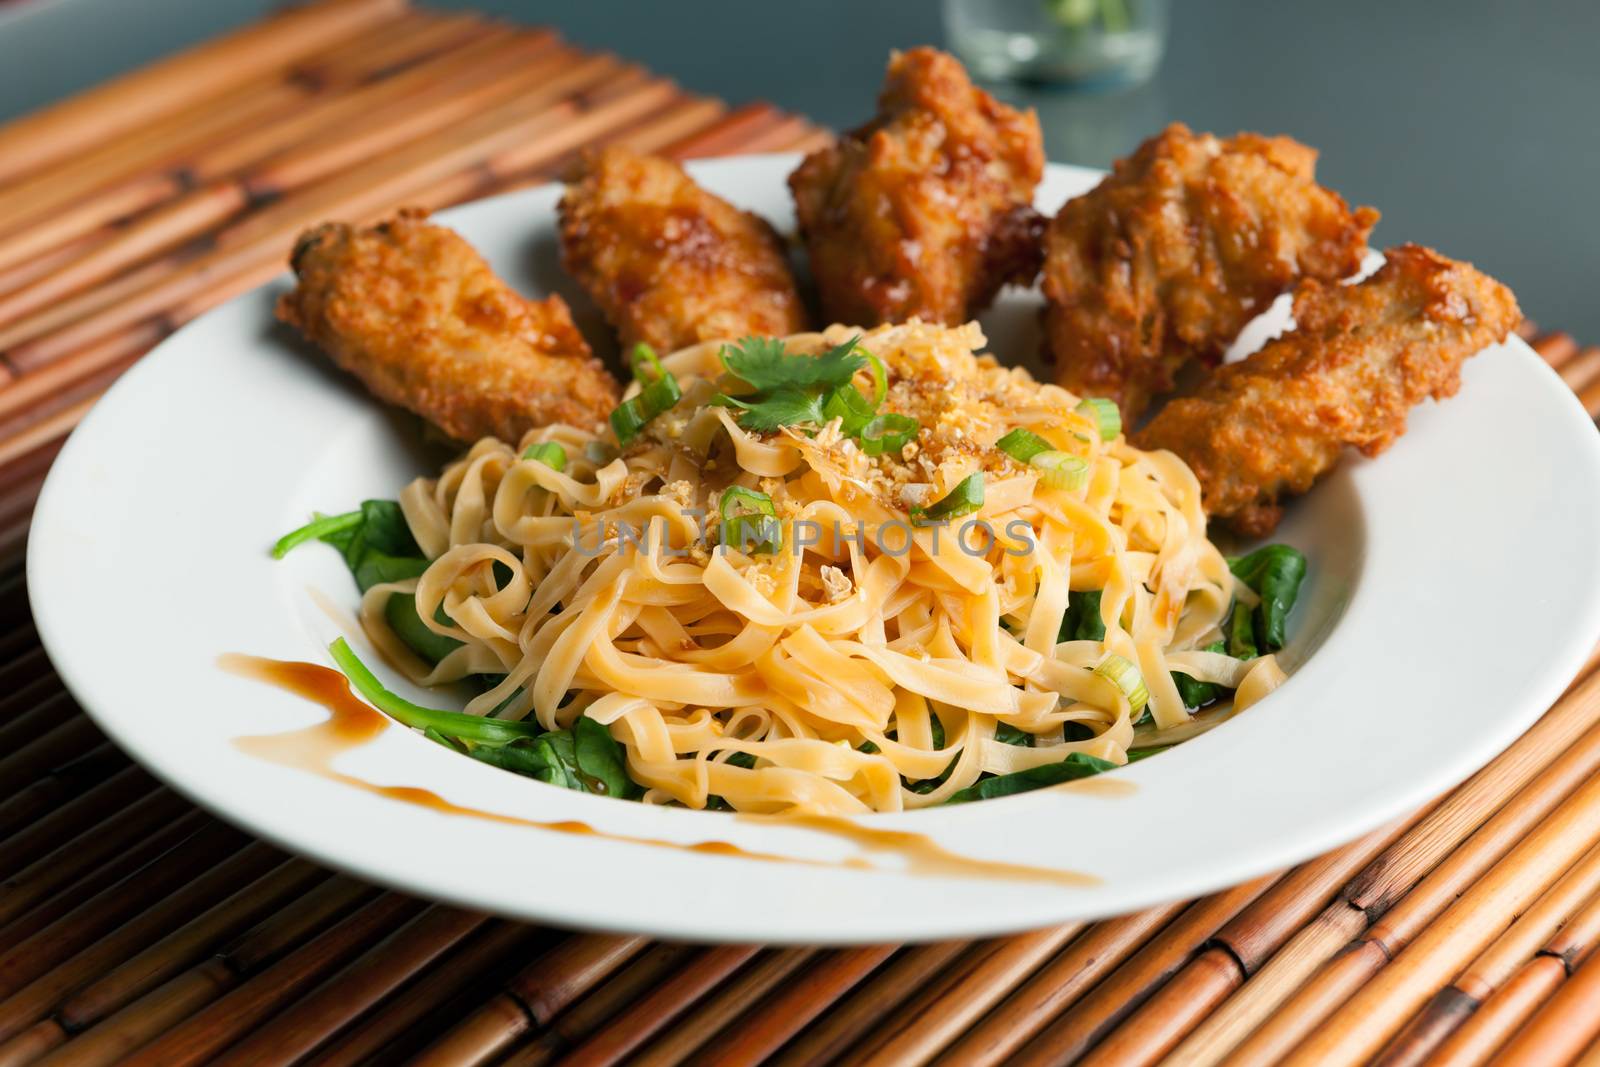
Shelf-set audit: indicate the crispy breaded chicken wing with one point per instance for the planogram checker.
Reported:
(414, 312)
(1360, 356)
(928, 209)
(668, 263)
(1171, 255)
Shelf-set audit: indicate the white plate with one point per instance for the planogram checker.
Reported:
(1454, 589)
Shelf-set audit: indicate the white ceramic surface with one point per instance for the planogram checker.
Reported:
(1454, 589)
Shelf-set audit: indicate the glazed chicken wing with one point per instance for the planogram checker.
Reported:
(927, 210)
(668, 263)
(1359, 357)
(414, 312)
(1184, 243)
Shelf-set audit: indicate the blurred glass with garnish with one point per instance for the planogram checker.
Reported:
(1076, 42)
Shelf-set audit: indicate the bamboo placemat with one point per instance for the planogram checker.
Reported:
(135, 928)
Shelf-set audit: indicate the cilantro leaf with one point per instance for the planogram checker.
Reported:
(769, 411)
(766, 365)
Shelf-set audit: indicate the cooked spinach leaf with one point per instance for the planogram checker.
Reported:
(1082, 621)
(1198, 694)
(1078, 765)
(1275, 573)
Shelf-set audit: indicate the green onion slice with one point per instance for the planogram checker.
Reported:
(321, 526)
(1061, 470)
(889, 433)
(644, 358)
(1120, 672)
(549, 453)
(749, 519)
(398, 708)
(1022, 445)
(1104, 414)
(630, 416)
(964, 499)
(852, 409)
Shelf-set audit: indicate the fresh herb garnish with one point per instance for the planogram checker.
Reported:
(549, 453)
(791, 389)
(660, 393)
(455, 724)
(749, 521)
(964, 499)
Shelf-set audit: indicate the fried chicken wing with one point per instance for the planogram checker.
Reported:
(414, 312)
(668, 263)
(1184, 243)
(1360, 356)
(925, 211)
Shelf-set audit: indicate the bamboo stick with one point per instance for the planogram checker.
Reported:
(114, 981)
(98, 914)
(34, 709)
(939, 1013)
(1555, 348)
(471, 972)
(722, 1008)
(43, 814)
(118, 350)
(1059, 984)
(346, 994)
(1384, 1003)
(787, 1011)
(1157, 1026)
(641, 974)
(1402, 867)
(153, 167)
(729, 135)
(1516, 998)
(1477, 1037)
(1561, 1029)
(132, 169)
(1582, 369)
(249, 251)
(199, 1038)
(452, 84)
(24, 890)
(1237, 951)
(850, 1017)
(149, 935)
(1535, 928)
(40, 433)
(166, 86)
(531, 999)
(68, 737)
(152, 1014)
(786, 131)
(1129, 985)
(658, 1008)
(1589, 397)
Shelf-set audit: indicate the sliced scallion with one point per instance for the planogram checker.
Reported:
(889, 433)
(644, 359)
(1022, 445)
(1104, 414)
(749, 520)
(549, 453)
(1120, 672)
(1061, 470)
(630, 416)
(964, 499)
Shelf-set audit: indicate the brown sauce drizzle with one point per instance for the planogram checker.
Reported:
(352, 722)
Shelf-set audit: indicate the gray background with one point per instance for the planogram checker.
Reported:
(1474, 125)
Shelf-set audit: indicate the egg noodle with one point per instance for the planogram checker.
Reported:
(833, 663)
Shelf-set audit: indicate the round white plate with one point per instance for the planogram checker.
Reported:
(1454, 589)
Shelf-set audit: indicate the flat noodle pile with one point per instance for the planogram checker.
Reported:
(596, 591)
